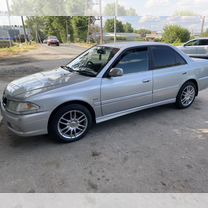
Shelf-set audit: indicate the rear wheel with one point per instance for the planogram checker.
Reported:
(186, 95)
(70, 123)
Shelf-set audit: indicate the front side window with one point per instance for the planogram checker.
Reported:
(91, 62)
(192, 43)
(133, 61)
(164, 56)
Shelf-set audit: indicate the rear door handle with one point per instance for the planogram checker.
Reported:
(184, 73)
(146, 80)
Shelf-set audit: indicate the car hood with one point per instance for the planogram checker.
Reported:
(43, 81)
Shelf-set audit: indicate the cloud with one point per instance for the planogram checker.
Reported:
(149, 18)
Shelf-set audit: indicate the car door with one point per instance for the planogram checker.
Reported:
(190, 48)
(131, 90)
(202, 48)
(169, 69)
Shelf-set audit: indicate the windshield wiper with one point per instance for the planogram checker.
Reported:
(86, 73)
(67, 68)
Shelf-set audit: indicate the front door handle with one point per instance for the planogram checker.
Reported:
(184, 73)
(146, 80)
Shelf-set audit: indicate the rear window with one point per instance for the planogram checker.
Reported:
(164, 56)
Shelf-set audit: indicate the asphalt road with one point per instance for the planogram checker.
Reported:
(156, 150)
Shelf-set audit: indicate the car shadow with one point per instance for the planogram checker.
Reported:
(136, 116)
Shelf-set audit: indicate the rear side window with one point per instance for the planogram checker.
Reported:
(164, 56)
(203, 42)
(133, 61)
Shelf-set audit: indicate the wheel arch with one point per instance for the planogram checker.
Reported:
(193, 81)
(83, 103)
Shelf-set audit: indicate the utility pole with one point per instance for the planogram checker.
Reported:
(115, 19)
(202, 26)
(23, 25)
(101, 22)
(67, 30)
(8, 10)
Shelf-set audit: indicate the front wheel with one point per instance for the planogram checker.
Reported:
(186, 95)
(70, 123)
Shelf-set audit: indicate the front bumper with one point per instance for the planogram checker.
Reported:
(26, 125)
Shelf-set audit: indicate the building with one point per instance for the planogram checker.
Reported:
(13, 33)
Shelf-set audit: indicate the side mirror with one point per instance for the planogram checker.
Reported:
(116, 72)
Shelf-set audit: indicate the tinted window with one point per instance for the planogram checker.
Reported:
(203, 42)
(163, 56)
(134, 60)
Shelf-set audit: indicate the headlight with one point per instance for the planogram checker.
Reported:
(21, 107)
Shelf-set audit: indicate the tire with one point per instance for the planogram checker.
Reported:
(70, 123)
(184, 100)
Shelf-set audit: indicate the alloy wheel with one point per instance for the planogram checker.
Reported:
(72, 124)
(188, 95)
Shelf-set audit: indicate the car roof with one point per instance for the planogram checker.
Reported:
(200, 38)
(124, 45)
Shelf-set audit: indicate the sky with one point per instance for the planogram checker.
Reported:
(151, 7)
(152, 14)
(164, 7)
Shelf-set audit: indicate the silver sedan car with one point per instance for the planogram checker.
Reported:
(104, 82)
(196, 48)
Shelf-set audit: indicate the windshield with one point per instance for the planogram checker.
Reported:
(91, 62)
(52, 37)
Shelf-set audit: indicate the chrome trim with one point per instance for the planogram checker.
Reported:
(132, 110)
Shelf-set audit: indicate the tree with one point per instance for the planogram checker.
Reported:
(36, 25)
(76, 8)
(41, 27)
(185, 13)
(109, 26)
(143, 32)
(38, 7)
(128, 28)
(58, 25)
(175, 33)
(80, 27)
(109, 10)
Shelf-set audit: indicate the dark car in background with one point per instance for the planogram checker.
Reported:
(52, 40)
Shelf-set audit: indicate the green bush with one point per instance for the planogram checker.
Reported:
(4, 44)
(175, 33)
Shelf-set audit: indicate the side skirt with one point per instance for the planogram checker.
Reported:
(132, 110)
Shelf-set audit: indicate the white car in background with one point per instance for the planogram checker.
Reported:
(196, 48)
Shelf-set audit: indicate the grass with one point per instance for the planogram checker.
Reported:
(17, 49)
